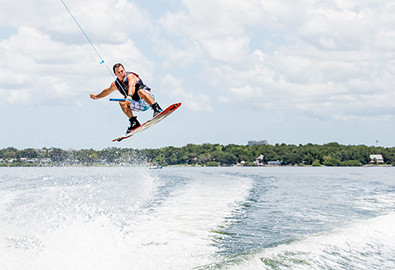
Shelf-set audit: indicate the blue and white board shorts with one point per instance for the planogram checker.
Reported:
(141, 105)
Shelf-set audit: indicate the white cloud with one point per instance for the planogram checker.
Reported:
(331, 59)
(103, 21)
(207, 19)
(37, 70)
(337, 62)
(283, 60)
(177, 57)
(173, 87)
(229, 49)
(50, 58)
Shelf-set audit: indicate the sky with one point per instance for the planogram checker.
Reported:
(285, 71)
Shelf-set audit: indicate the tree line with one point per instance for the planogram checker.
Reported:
(331, 154)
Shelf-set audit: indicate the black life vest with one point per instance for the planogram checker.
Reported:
(123, 87)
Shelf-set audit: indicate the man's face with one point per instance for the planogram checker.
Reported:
(120, 73)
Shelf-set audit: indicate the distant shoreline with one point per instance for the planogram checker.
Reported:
(181, 166)
(206, 155)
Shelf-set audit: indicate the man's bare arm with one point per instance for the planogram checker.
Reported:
(105, 92)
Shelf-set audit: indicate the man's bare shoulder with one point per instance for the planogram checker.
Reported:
(131, 76)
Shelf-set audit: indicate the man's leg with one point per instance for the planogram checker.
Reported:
(146, 96)
(134, 123)
(150, 100)
(125, 106)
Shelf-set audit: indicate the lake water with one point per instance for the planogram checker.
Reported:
(197, 218)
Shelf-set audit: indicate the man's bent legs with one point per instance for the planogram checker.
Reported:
(125, 106)
(146, 96)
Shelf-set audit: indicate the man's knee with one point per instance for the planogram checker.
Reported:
(146, 96)
(123, 104)
(142, 93)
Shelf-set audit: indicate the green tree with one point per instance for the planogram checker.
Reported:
(331, 161)
(58, 155)
(9, 153)
(351, 163)
(109, 155)
(316, 163)
(212, 164)
(87, 156)
(28, 153)
(204, 158)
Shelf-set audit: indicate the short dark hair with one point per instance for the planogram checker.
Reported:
(117, 65)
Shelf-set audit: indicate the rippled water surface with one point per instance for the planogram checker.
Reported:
(197, 218)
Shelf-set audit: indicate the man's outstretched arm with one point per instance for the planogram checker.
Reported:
(105, 92)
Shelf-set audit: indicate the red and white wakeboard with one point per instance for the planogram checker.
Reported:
(169, 110)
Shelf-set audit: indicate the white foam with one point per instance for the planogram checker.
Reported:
(72, 220)
(175, 234)
(81, 245)
(365, 245)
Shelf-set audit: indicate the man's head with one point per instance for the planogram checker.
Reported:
(119, 71)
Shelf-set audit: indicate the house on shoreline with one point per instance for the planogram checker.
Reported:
(376, 159)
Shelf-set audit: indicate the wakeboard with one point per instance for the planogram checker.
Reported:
(165, 113)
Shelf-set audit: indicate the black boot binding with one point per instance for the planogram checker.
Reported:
(157, 109)
(134, 123)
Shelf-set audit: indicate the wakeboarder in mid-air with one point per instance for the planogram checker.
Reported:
(137, 95)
